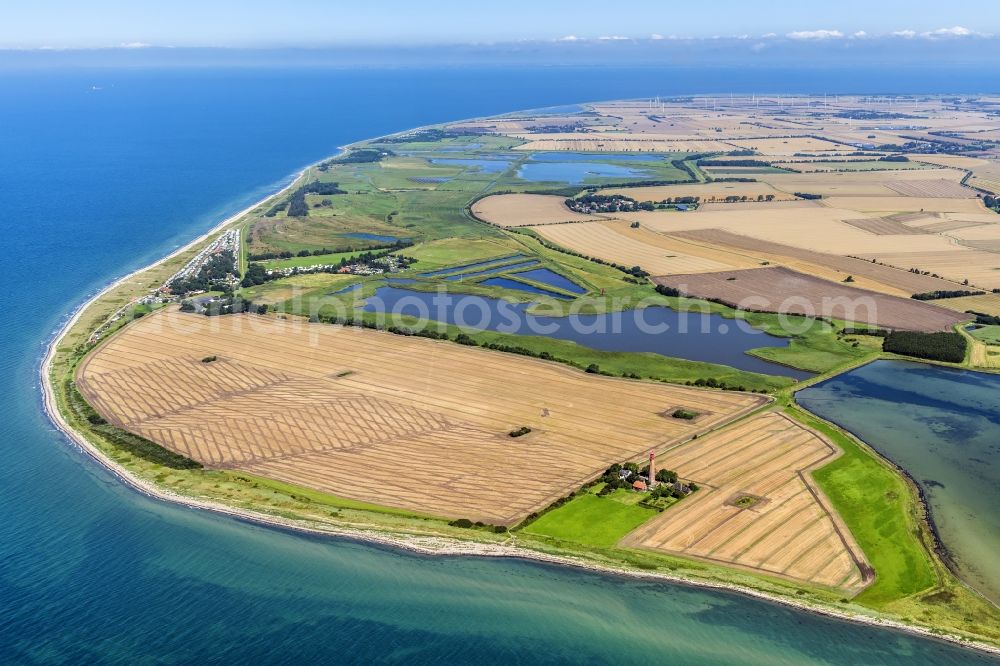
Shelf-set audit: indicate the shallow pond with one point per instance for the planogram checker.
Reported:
(553, 279)
(492, 270)
(574, 173)
(507, 283)
(943, 427)
(689, 335)
(486, 166)
(557, 156)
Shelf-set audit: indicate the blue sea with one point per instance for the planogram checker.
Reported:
(102, 171)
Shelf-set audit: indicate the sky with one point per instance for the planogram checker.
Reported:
(62, 24)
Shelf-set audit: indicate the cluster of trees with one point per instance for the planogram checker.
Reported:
(945, 293)
(991, 201)
(733, 163)
(664, 290)
(297, 206)
(286, 254)
(231, 305)
(862, 114)
(520, 432)
(361, 156)
(807, 195)
(939, 346)
(985, 319)
(258, 274)
(210, 275)
(613, 480)
(880, 332)
(607, 203)
(465, 523)
(425, 135)
(894, 158)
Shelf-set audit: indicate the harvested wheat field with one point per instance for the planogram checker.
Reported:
(985, 303)
(980, 267)
(903, 204)
(779, 289)
(707, 192)
(783, 526)
(758, 205)
(398, 421)
(939, 188)
(523, 210)
(855, 183)
(784, 146)
(617, 242)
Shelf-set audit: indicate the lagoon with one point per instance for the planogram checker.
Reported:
(942, 426)
(690, 335)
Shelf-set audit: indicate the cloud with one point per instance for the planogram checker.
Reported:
(769, 35)
(656, 37)
(134, 45)
(957, 31)
(860, 34)
(612, 38)
(568, 38)
(906, 34)
(815, 34)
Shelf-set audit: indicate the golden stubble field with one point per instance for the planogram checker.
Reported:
(758, 507)
(397, 421)
(522, 210)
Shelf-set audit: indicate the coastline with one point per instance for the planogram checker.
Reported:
(424, 545)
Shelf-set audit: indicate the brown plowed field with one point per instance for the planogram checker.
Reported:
(397, 421)
(905, 281)
(779, 289)
(790, 531)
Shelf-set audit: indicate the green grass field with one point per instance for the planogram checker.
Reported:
(875, 503)
(591, 520)
(988, 334)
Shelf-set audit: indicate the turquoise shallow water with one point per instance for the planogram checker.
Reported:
(96, 182)
(943, 427)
